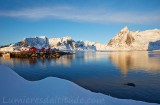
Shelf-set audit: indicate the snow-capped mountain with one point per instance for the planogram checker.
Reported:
(135, 40)
(37, 42)
(64, 43)
(124, 40)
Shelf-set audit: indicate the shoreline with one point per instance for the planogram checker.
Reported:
(37, 55)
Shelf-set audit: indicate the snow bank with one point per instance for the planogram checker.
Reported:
(52, 91)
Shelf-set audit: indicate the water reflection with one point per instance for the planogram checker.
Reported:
(97, 72)
(88, 56)
(65, 60)
(141, 60)
(125, 61)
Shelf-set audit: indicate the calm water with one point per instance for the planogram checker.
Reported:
(100, 72)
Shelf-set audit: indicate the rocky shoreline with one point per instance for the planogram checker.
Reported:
(36, 55)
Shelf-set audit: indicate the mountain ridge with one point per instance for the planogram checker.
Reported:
(123, 40)
(135, 40)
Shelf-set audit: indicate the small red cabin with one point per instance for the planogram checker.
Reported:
(48, 50)
(33, 49)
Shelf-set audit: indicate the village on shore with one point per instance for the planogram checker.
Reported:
(30, 52)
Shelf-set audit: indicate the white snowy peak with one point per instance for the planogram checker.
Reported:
(135, 40)
(54, 42)
(38, 42)
(124, 40)
(125, 29)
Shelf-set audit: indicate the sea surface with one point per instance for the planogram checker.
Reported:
(99, 72)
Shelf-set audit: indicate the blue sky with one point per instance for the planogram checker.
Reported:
(93, 20)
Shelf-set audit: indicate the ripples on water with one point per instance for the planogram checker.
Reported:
(104, 72)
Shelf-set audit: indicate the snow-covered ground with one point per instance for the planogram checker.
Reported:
(15, 90)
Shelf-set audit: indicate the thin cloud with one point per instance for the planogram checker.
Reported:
(85, 15)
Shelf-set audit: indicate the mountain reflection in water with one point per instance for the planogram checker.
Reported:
(101, 72)
(142, 60)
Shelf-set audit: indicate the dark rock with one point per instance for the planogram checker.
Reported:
(130, 84)
(130, 39)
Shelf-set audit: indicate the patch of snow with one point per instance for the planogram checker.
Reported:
(10, 49)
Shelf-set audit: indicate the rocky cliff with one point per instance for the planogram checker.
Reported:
(135, 40)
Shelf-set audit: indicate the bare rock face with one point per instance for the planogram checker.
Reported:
(135, 40)
(123, 38)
